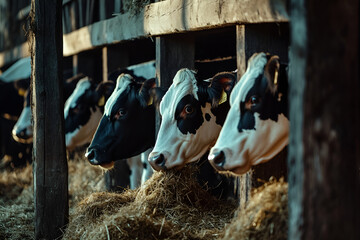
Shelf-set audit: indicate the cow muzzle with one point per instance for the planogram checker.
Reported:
(91, 155)
(217, 160)
(157, 161)
(22, 136)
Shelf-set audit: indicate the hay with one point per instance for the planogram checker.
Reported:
(170, 205)
(12, 183)
(16, 196)
(265, 216)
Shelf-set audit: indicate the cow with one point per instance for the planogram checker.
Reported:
(23, 129)
(13, 84)
(21, 69)
(257, 126)
(193, 113)
(127, 127)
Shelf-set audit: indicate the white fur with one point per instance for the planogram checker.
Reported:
(24, 122)
(122, 83)
(19, 70)
(250, 147)
(79, 90)
(179, 148)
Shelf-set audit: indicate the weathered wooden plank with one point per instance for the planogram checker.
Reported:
(172, 53)
(168, 17)
(324, 156)
(50, 164)
(272, 38)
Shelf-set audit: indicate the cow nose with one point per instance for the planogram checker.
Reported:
(90, 155)
(21, 134)
(158, 162)
(218, 160)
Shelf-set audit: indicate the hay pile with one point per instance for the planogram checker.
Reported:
(17, 202)
(171, 205)
(265, 216)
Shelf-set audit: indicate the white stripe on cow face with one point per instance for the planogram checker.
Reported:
(251, 146)
(122, 84)
(177, 147)
(81, 87)
(23, 130)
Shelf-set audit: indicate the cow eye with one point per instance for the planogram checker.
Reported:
(120, 113)
(75, 109)
(189, 109)
(254, 100)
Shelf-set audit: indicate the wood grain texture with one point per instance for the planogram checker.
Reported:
(50, 164)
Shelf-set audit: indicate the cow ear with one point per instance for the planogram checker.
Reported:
(221, 87)
(145, 96)
(104, 90)
(271, 72)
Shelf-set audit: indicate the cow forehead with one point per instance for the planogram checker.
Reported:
(184, 83)
(81, 87)
(122, 84)
(255, 68)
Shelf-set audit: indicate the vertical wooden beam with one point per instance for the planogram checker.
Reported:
(244, 182)
(324, 151)
(50, 164)
(102, 9)
(272, 38)
(104, 64)
(172, 53)
(75, 63)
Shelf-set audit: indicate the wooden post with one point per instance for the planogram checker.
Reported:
(104, 64)
(324, 150)
(272, 38)
(50, 165)
(172, 53)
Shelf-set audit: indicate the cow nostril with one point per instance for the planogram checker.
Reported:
(159, 160)
(90, 155)
(218, 158)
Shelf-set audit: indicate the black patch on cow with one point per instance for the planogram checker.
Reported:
(221, 112)
(268, 106)
(207, 117)
(126, 136)
(80, 115)
(191, 122)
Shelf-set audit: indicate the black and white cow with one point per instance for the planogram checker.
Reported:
(193, 113)
(23, 129)
(127, 127)
(257, 126)
(13, 84)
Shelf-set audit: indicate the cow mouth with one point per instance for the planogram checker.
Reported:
(107, 166)
(23, 140)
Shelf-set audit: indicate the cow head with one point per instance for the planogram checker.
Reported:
(127, 127)
(193, 113)
(83, 111)
(257, 125)
(23, 130)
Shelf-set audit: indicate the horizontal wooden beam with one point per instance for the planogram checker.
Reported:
(14, 54)
(161, 18)
(168, 17)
